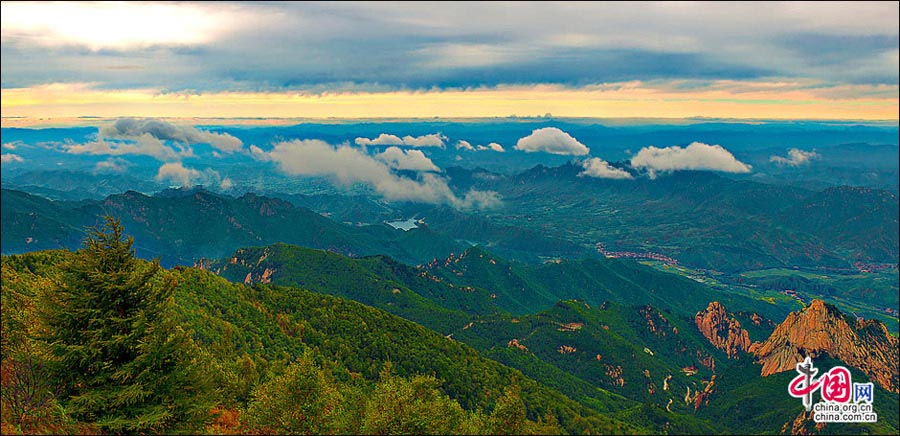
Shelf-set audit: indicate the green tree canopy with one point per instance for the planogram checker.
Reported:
(130, 366)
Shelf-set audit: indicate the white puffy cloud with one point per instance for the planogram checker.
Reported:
(551, 140)
(796, 157)
(258, 153)
(180, 175)
(596, 167)
(151, 137)
(382, 139)
(11, 145)
(130, 128)
(10, 157)
(492, 146)
(430, 140)
(112, 165)
(413, 160)
(696, 156)
(347, 165)
(466, 145)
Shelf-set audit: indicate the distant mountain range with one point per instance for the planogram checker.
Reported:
(698, 218)
(180, 227)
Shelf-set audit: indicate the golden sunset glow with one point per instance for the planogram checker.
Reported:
(628, 100)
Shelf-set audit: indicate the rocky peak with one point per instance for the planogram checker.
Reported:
(723, 331)
(821, 328)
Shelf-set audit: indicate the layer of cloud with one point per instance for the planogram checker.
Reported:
(193, 46)
(696, 156)
(10, 158)
(412, 160)
(131, 128)
(551, 140)
(596, 167)
(348, 165)
(795, 157)
(178, 174)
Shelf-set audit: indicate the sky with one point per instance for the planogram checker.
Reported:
(781, 60)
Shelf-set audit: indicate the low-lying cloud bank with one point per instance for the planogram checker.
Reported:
(696, 156)
(599, 168)
(348, 165)
(130, 128)
(430, 140)
(551, 140)
(795, 158)
(411, 160)
(159, 139)
(144, 144)
(180, 175)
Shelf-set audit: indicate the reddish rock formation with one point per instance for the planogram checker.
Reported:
(566, 349)
(821, 328)
(757, 320)
(514, 343)
(656, 321)
(803, 424)
(266, 276)
(615, 373)
(702, 398)
(724, 332)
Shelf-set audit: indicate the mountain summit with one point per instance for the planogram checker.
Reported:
(821, 328)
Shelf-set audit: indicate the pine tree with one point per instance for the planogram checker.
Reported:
(112, 325)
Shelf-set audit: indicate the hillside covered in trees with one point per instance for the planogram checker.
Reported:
(98, 341)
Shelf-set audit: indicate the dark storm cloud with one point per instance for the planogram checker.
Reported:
(376, 46)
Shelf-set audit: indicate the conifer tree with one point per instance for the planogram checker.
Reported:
(112, 325)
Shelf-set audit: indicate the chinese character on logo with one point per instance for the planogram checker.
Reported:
(836, 389)
(803, 385)
(862, 392)
(836, 385)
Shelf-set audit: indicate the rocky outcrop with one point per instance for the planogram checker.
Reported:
(822, 329)
(722, 331)
(803, 424)
(702, 398)
(514, 343)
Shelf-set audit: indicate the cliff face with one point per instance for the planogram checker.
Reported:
(724, 332)
(821, 328)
